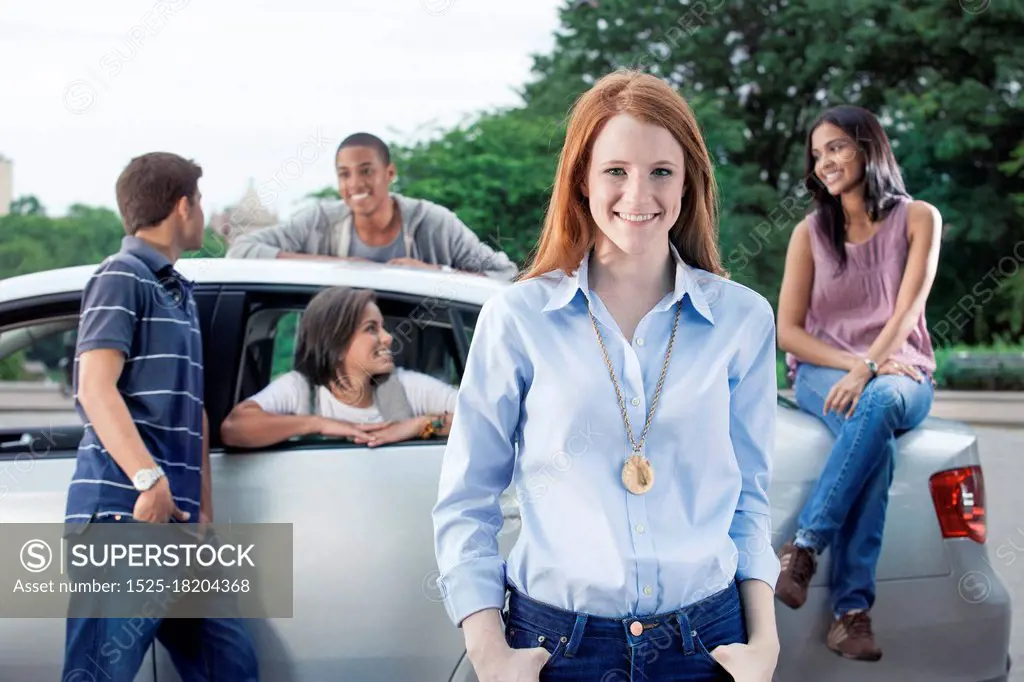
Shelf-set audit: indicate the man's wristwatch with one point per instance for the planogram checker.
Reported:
(872, 365)
(144, 479)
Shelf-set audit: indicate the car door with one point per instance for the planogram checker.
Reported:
(39, 435)
(365, 603)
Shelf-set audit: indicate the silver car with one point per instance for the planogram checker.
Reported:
(365, 603)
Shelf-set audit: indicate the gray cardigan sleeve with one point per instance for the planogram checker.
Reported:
(302, 233)
(470, 254)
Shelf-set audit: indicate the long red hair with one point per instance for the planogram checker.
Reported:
(569, 230)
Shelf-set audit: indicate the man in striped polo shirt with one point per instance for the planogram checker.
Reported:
(144, 454)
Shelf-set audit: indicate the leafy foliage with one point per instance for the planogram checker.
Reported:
(34, 241)
(495, 173)
(946, 84)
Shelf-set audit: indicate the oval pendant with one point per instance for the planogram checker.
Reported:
(637, 475)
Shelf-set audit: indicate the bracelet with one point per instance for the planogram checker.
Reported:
(432, 427)
(872, 365)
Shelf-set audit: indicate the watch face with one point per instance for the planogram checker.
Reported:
(145, 479)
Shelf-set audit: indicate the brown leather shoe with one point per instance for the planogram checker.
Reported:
(798, 567)
(851, 637)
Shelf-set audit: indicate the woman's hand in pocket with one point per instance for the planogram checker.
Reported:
(754, 662)
(505, 664)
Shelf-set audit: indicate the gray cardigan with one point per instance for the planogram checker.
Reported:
(433, 234)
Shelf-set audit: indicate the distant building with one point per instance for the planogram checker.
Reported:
(6, 184)
(247, 215)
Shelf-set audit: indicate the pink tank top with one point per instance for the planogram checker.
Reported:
(848, 310)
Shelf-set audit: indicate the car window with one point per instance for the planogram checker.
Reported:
(420, 343)
(424, 338)
(469, 318)
(36, 374)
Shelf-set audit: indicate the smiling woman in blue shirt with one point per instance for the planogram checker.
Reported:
(624, 391)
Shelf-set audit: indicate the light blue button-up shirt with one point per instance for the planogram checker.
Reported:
(537, 415)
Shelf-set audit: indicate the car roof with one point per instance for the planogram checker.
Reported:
(449, 286)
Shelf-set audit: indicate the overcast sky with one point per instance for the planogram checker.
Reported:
(251, 89)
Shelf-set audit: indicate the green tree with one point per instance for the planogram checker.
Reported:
(34, 241)
(325, 193)
(495, 172)
(945, 82)
(27, 205)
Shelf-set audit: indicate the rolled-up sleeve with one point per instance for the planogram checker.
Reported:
(297, 235)
(470, 254)
(752, 429)
(478, 466)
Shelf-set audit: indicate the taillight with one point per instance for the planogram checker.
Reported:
(959, 497)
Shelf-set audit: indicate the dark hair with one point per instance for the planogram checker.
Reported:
(325, 332)
(366, 140)
(883, 183)
(150, 187)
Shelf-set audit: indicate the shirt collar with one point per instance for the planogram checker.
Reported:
(687, 283)
(154, 260)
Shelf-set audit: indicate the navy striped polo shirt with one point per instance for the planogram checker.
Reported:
(137, 303)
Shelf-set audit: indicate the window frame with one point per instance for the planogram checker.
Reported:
(17, 443)
(62, 442)
(292, 297)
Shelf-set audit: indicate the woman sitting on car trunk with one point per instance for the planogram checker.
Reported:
(851, 317)
(345, 384)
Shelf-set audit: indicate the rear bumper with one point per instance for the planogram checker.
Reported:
(953, 628)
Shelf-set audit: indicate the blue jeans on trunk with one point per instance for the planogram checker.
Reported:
(670, 647)
(846, 510)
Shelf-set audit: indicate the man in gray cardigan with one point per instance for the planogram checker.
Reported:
(372, 223)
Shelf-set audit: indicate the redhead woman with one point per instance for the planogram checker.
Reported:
(624, 391)
(851, 317)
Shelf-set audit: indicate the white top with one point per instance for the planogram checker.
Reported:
(289, 394)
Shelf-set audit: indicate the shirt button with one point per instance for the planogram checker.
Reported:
(640, 528)
(640, 341)
(636, 402)
(648, 590)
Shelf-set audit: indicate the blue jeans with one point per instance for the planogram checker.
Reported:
(846, 510)
(107, 649)
(671, 648)
(203, 650)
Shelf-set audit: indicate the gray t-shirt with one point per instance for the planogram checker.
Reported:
(379, 254)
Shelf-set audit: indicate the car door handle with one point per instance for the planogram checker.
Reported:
(26, 440)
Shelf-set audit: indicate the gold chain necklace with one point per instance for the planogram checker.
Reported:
(637, 472)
